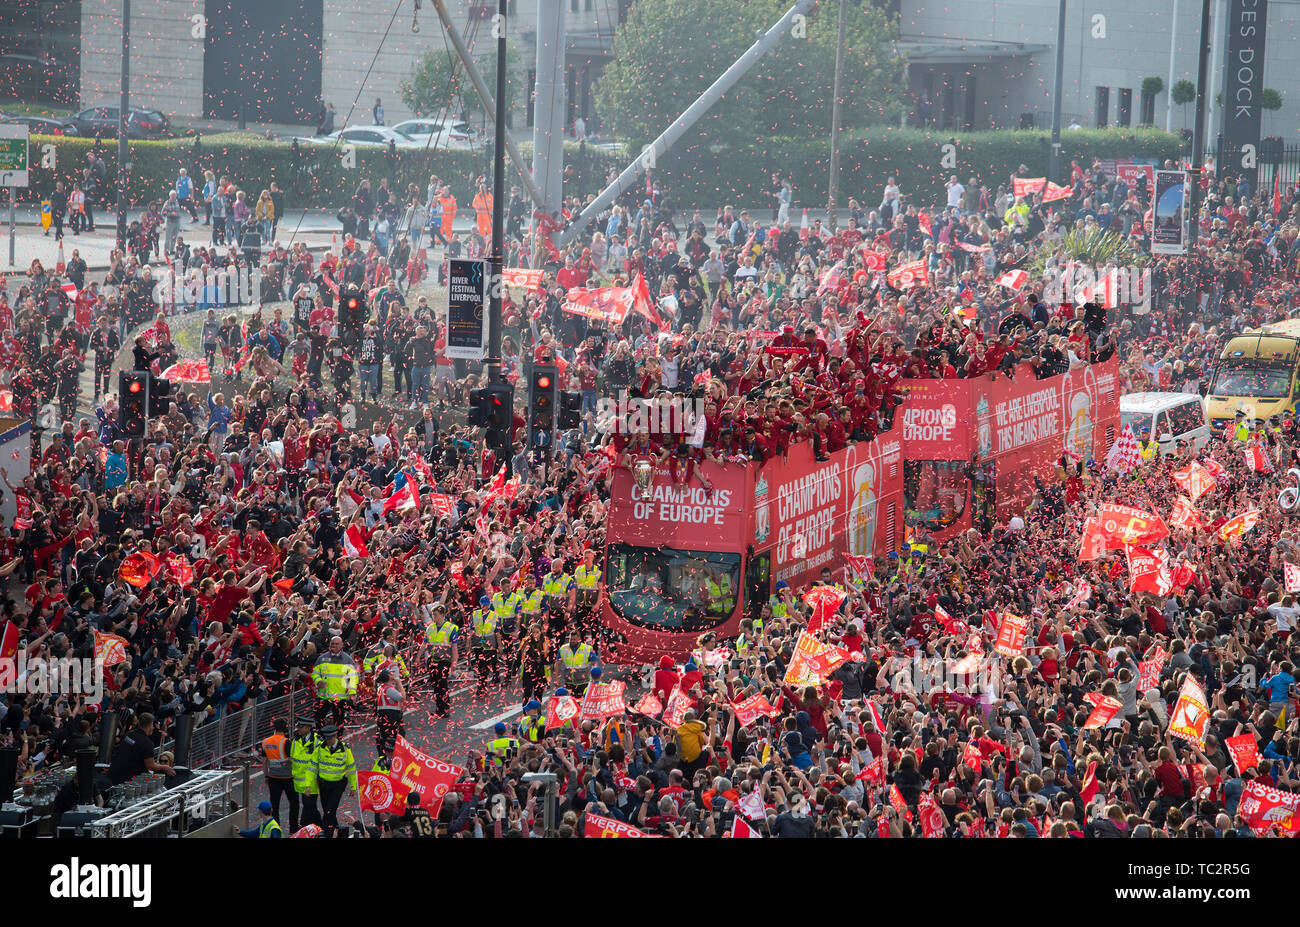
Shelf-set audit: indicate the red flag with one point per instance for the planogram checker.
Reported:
(972, 757)
(824, 601)
(110, 649)
(604, 700)
(9, 641)
(753, 708)
(907, 276)
(354, 543)
(378, 793)
(561, 709)
(932, 819)
(1013, 279)
(1149, 571)
(408, 497)
(678, 704)
(1291, 577)
(179, 568)
(1194, 479)
(741, 829)
(1103, 710)
(195, 371)
(1125, 525)
(874, 772)
(139, 568)
(1237, 526)
(416, 771)
(1215, 469)
(285, 585)
(1264, 808)
(1090, 785)
(1257, 460)
(1191, 713)
(1184, 515)
(1277, 193)
(1244, 751)
(1011, 635)
(649, 705)
(1149, 670)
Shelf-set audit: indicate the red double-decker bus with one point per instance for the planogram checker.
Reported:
(681, 560)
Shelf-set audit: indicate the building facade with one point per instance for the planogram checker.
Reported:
(979, 64)
(281, 61)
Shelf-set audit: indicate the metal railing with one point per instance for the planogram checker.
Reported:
(207, 798)
(235, 733)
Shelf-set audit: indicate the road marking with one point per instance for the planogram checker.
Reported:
(488, 722)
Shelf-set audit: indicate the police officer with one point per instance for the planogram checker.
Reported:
(586, 579)
(1150, 446)
(505, 609)
(532, 725)
(561, 596)
(721, 596)
(389, 698)
(335, 768)
(531, 600)
(335, 677)
(279, 771)
(574, 663)
(443, 640)
(485, 646)
(779, 602)
(378, 654)
(502, 748)
(1241, 431)
(302, 750)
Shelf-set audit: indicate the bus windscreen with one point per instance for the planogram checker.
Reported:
(664, 589)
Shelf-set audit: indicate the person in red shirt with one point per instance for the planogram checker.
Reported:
(570, 275)
(666, 679)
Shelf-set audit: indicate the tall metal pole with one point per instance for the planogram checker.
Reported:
(124, 114)
(548, 109)
(835, 124)
(1169, 89)
(762, 45)
(1198, 132)
(1213, 109)
(489, 104)
(1054, 158)
(497, 260)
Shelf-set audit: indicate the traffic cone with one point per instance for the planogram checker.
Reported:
(803, 227)
(60, 266)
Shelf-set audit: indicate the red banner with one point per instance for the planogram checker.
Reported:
(179, 568)
(1149, 571)
(110, 649)
(1264, 808)
(613, 303)
(603, 700)
(907, 276)
(561, 709)
(1023, 186)
(1191, 714)
(528, 278)
(139, 568)
(753, 708)
(1011, 635)
(824, 601)
(1149, 670)
(932, 819)
(1103, 710)
(416, 771)
(678, 704)
(1124, 525)
(1244, 751)
(649, 706)
(596, 826)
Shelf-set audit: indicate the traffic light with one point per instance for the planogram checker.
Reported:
(133, 402)
(160, 395)
(499, 418)
(570, 409)
(541, 405)
(478, 399)
(352, 315)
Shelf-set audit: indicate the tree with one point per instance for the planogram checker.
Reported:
(1183, 93)
(1270, 100)
(439, 85)
(1151, 88)
(668, 52)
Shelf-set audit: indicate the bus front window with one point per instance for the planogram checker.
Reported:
(1261, 380)
(663, 589)
(934, 492)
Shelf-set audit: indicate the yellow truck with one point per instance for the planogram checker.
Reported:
(1256, 373)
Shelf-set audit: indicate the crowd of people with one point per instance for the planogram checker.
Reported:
(292, 521)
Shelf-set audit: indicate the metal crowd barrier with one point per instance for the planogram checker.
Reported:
(203, 803)
(213, 744)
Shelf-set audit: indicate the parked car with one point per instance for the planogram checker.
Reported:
(376, 136)
(141, 123)
(41, 125)
(441, 133)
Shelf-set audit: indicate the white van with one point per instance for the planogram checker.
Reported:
(1169, 417)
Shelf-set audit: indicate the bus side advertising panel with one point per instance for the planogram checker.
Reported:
(689, 517)
(936, 419)
(810, 513)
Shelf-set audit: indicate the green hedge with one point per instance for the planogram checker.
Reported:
(315, 177)
(696, 172)
(709, 175)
